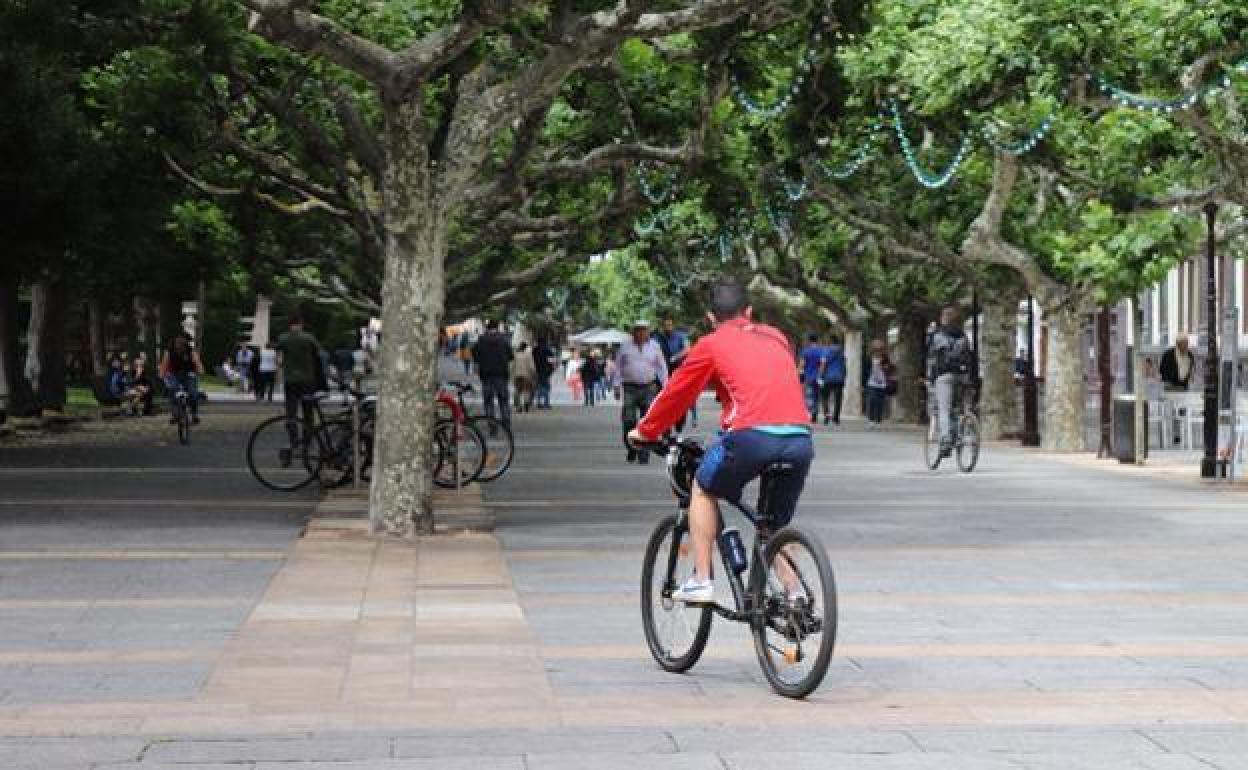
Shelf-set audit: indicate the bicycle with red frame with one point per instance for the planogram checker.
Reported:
(500, 444)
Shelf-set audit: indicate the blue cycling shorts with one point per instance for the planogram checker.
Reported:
(739, 457)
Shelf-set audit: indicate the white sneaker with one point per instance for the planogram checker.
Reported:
(695, 591)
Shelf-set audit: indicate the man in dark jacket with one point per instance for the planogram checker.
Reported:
(544, 360)
(1177, 365)
(948, 364)
(493, 355)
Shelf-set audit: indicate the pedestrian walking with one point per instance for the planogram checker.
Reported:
(524, 377)
(880, 381)
(675, 346)
(572, 375)
(242, 365)
(591, 372)
(493, 355)
(641, 370)
(266, 375)
(811, 371)
(303, 373)
(833, 376)
(544, 360)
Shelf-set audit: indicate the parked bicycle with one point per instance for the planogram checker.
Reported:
(787, 595)
(500, 444)
(965, 439)
(289, 453)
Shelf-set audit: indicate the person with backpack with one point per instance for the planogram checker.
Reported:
(949, 364)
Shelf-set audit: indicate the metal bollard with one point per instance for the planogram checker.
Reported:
(355, 444)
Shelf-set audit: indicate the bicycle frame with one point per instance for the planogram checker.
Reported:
(745, 594)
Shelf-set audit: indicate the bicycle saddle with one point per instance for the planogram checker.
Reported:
(776, 469)
(462, 387)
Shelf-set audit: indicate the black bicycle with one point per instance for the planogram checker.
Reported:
(287, 454)
(965, 440)
(182, 413)
(787, 594)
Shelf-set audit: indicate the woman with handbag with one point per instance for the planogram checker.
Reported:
(881, 382)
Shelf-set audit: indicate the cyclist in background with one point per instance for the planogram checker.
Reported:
(948, 365)
(750, 365)
(180, 367)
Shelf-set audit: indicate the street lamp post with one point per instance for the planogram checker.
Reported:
(1031, 410)
(1209, 463)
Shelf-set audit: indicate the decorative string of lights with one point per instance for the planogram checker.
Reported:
(804, 66)
(669, 184)
(989, 132)
(658, 219)
(858, 159)
(925, 177)
(1149, 104)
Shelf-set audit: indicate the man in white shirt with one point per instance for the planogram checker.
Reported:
(640, 370)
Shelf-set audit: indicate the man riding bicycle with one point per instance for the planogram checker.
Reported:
(949, 363)
(764, 421)
(180, 367)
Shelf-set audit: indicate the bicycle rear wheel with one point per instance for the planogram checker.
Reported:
(500, 446)
(968, 443)
(676, 632)
(283, 454)
(457, 444)
(337, 447)
(931, 444)
(797, 632)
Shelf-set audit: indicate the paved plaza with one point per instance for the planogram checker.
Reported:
(159, 609)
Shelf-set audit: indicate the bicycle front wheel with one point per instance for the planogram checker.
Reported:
(795, 635)
(184, 424)
(931, 444)
(283, 454)
(968, 443)
(500, 446)
(456, 445)
(676, 632)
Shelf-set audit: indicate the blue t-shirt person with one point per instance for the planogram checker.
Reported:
(812, 360)
(834, 371)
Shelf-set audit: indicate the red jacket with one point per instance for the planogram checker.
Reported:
(751, 368)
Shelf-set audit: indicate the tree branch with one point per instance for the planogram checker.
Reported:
(284, 21)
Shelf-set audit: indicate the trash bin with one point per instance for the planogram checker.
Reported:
(1124, 428)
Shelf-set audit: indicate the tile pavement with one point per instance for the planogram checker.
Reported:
(1038, 614)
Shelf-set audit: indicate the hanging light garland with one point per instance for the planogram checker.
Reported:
(858, 159)
(657, 198)
(805, 65)
(925, 177)
(1021, 147)
(1158, 106)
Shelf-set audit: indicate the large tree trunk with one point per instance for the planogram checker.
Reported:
(853, 372)
(95, 336)
(1065, 406)
(908, 356)
(16, 398)
(999, 404)
(45, 339)
(401, 498)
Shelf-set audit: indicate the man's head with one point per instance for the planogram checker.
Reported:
(949, 316)
(1182, 344)
(295, 322)
(641, 331)
(491, 325)
(729, 300)
(669, 325)
(812, 338)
